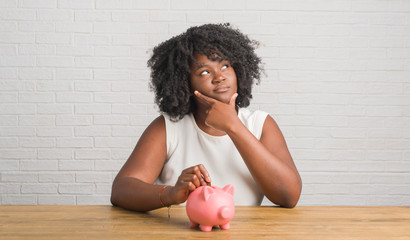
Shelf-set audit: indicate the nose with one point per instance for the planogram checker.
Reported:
(219, 77)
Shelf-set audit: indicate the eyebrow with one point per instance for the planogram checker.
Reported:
(200, 65)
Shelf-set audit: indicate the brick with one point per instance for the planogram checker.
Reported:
(8, 50)
(36, 27)
(110, 165)
(75, 188)
(56, 177)
(37, 142)
(93, 40)
(17, 154)
(37, 98)
(36, 49)
(103, 74)
(39, 188)
(47, 61)
(199, 17)
(8, 120)
(73, 74)
(9, 165)
(54, 86)
(91, 177)
(54, 131)
(97, 86)
(19, 177)
(188, 5)
(117, 142)
(116, 4)
(18, 199)
(8, 73)
(111, 98)
(119, 131)
(55, 15)
(94, 200)
(38, 165)
(18, 131)
(96, 154)
(8, 97)
(56, 200)
(73, 97)
(66, 50)
(92, 131)
(93, 16)
(9, 188)
(70, 120)
(129, 109)
(92, 62)
(9, 142)
(96, 108)
(17, 61)
(77, 165)
(8, 3)
(132, 16)
(55, 108)
(17, 14)
(77, 142)
(76, 4)
(69, 27)
(114, 51)
(114, 27)
(111, 120)
(35, 74)
(38, 4)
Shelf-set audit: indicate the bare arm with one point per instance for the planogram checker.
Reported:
(268, 160)
(134, 188)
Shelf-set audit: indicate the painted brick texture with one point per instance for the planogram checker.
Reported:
(74, 95)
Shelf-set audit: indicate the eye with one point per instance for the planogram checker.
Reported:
(225, 66)
(204, 72)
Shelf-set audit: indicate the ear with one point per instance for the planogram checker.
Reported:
(229, 189)
(207, 192)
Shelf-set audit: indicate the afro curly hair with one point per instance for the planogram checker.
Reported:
(170, 65)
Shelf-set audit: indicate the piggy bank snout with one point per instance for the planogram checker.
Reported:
(225, 212)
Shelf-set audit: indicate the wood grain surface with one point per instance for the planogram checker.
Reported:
(107, 222)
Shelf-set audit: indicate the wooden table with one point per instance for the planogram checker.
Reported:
(107, 222)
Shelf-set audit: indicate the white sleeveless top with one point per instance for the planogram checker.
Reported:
(188, 145)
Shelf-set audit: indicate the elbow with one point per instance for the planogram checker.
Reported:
(290, 203)
(113, 200)
(291, 197)
(114, 195)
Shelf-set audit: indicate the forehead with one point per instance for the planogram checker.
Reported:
(201, 59)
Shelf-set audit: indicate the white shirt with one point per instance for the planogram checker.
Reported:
(188, 145)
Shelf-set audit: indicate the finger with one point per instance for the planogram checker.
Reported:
(199, 175)
(204, 99)
(232, 102)
(193, 178)
(205, 174)
(191, 187)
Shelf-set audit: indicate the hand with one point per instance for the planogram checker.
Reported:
(188, 181)
(219, 115)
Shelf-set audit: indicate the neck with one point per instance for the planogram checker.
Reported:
(200, 117)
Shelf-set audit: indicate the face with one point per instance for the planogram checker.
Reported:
(216, 79)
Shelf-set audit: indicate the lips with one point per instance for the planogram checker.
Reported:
(221, 89)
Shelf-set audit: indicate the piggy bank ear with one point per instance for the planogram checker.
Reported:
(207, 192)
(229, 189)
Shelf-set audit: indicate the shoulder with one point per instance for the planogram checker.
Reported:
(253, 120)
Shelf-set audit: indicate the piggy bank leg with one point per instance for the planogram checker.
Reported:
(225, 226)
(206, 228)
(193, 224)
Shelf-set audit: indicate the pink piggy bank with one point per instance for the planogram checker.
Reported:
(211, 206)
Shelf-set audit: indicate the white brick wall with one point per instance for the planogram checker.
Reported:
(74, 91)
